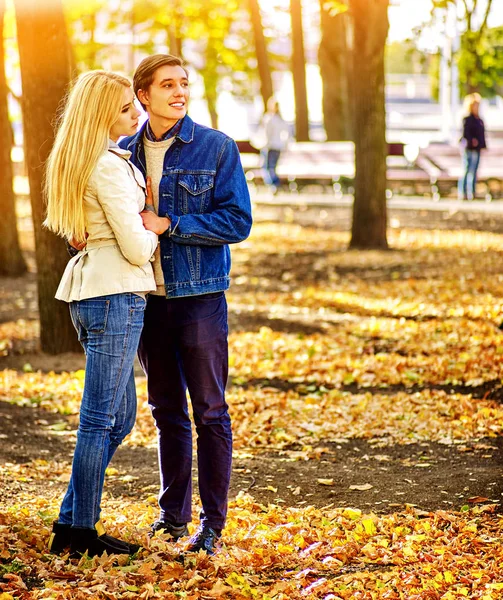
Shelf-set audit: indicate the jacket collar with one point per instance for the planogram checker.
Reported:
(186, 134)
(113, 147)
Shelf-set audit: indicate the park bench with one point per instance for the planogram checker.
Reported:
(444, 163)
(331, 165)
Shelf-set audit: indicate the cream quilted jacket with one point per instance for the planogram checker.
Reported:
(118, 252)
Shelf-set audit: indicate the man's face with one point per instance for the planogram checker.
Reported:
(168, 97)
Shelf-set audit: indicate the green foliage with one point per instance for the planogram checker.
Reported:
(217, 31)
(480, 62)
(434, 73)
(405, 57)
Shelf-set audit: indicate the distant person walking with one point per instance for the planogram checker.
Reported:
(276, 138)
(473, 141)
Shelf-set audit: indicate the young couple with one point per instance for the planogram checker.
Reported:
(166, 235)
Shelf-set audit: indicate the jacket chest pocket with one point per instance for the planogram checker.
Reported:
(195, 193)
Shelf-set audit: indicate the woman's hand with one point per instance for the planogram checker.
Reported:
(149, 199)
(154, 223)
(74, 243)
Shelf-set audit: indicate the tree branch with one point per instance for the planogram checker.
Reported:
(468, 15)
(486, 16)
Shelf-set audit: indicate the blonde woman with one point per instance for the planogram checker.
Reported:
(473, 141)
(93, 190)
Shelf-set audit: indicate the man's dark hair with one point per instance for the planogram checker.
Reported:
(144, 74)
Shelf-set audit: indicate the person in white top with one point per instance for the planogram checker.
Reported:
(276, 135)
(94, 192)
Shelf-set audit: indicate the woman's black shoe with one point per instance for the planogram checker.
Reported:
(60, 539)
(66, 536)
(88, 541)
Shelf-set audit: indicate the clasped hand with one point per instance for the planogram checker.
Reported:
(151, 221)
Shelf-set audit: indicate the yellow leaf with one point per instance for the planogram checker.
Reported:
(352, 513)
(370, 527)
(449, 577)
(326, 481)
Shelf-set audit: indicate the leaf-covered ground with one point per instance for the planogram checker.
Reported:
(365, 393)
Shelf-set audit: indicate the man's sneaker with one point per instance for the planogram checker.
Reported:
(204, 539)
(176, 531)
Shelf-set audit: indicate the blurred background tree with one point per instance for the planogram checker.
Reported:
(45, 56)
(11, 257)
(335, 69)
(370, 30)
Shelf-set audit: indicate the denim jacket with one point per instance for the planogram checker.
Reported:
(204, 193)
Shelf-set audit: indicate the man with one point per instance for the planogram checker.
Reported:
(201, 204)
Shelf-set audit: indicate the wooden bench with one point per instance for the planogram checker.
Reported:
(444, 162)
(331, 165)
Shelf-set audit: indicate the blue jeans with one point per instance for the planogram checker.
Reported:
(270, 159)
(109, 329)
(184, 346)
(468, 181)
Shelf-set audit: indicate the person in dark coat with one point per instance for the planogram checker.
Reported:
(473, 141)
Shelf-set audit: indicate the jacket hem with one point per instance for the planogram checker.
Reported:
(197, 288)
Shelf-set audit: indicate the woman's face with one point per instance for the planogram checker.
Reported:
(127, 123)
(475, 109)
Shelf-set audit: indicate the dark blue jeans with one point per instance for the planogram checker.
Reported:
(184, 347)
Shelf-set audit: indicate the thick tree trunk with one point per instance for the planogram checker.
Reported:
(11, 258)
(45, 59)
(335, 68)
(299, 73)
(264, 69)
(370, 22)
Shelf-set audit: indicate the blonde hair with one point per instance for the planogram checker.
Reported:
(470, 100)
(92, 106)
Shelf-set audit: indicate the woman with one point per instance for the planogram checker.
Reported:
(94, 191)
(276, 137)
(473, 141)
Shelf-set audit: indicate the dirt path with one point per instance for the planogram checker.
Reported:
(429, 475)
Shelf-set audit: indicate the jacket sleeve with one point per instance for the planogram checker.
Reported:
(230, 221)
(116, 196)
(468, 133)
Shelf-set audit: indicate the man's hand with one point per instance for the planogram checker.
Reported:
(154, 223)
(475, 142)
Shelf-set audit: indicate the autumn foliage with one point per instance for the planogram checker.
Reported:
(396, 347)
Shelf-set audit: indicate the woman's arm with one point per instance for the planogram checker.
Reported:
(116, 194)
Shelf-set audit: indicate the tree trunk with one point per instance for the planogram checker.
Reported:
(264, 69)
(11, 258)
(211, 96)
(175, 42)
(370, 22)
(335, 67)
(174, 35)
(45, 58)
(299, 73)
